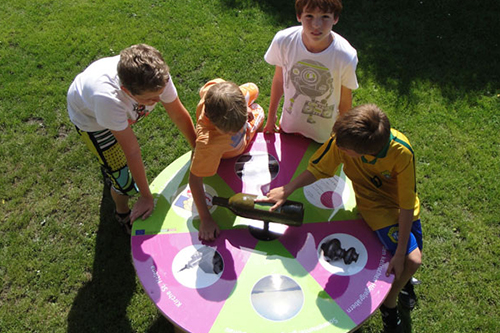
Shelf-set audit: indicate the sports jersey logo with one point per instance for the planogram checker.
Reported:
(393, 234)
(376, 181)
(386, 174)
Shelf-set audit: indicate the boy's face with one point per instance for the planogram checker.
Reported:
(317, 27)
(147, 98)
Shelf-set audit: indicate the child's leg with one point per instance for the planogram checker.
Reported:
(255, 124)
(104, 146)
(390, 314)
(257, 116)
(412, 263)
(250, 91)
(389, 238)
(121, 202)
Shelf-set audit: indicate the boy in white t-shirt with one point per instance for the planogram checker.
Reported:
(315, 71)
(105, 100)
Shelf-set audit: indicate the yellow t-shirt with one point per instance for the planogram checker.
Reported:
(382, 184)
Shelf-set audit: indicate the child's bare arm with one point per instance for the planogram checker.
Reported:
(345, 100)
(181, 118)
(276, 94)
(130, 146)
(280, 194)
(209, 230)
(396, 264)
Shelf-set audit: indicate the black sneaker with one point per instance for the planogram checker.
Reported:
(391, 320)
(407, 297)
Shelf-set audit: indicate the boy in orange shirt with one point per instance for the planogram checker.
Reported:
(227, 120)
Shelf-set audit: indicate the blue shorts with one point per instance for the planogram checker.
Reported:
(389, 237)
(108, 151)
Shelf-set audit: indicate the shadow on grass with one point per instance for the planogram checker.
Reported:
(453, 44)
(101, 304)
(405, 315)
(449, 43)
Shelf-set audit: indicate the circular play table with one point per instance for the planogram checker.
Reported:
(327, 275)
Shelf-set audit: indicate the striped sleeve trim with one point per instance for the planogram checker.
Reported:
(316, 161)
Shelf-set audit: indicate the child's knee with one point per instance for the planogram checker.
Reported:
(413, 261)
(259, 115)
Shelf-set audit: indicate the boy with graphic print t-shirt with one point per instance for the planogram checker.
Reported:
(315, 71)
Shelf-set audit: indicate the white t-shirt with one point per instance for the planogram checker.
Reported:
(312, 81)
(96, 101)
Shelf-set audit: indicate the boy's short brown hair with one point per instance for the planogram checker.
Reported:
(226, 107)
(327, 6)
(364, 129)
(142, 69)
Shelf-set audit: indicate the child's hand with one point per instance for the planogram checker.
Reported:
(143, 207)
(209, 230)
(276, 195)
(270, 128)
(396, 266)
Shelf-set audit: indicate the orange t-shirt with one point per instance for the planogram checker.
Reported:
(211, 145)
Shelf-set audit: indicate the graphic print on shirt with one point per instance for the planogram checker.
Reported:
(237, 138)
(312, 81)
(141, 112)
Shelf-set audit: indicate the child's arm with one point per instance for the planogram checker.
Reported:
(130, 146)
(397, 262)
(279, 194)
(276, 94)
(209, 230)
(345, 100)
(181, 118)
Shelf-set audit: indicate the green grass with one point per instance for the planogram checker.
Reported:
(431, 65)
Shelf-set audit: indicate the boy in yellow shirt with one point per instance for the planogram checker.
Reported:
(380, 163)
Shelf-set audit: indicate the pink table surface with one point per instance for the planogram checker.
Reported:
(243, 284)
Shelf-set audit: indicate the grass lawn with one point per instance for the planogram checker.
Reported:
(433, 66)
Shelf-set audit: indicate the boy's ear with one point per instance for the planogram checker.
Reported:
(336, 20)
